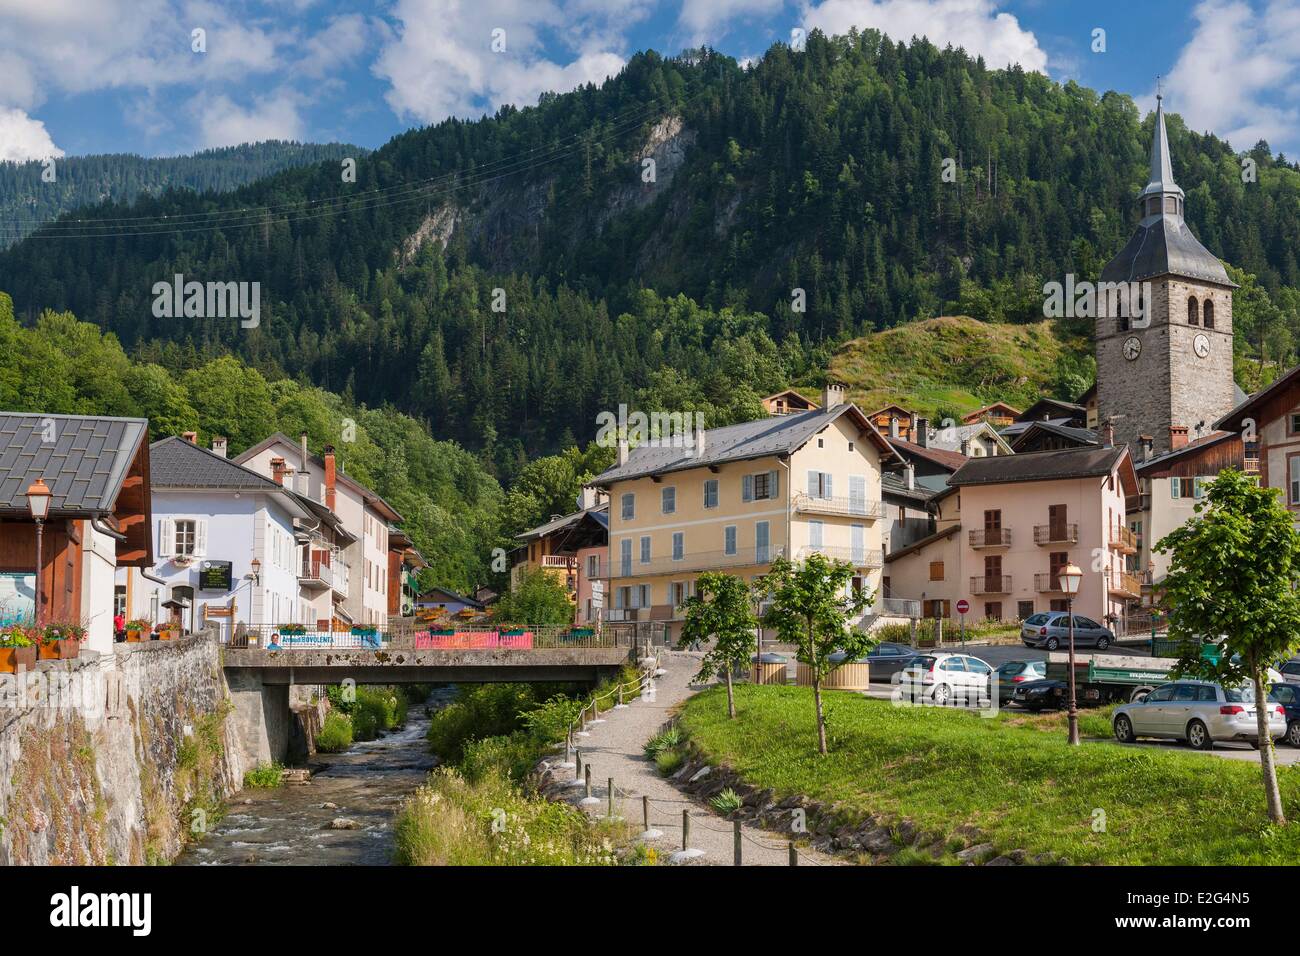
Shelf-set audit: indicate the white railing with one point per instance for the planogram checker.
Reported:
(858, 557)
(852, 507)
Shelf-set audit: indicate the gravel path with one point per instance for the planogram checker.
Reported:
(613, 749)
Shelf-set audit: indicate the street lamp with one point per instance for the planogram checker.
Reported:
(1071, 577)
(38, 504)
(255, 566)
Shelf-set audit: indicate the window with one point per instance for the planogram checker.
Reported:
(729, 539)
(183, 538)
(645, 549)
(625, 556)
(858, 544)
(936, 570)
(1208, 320)
(763, 485)
(1193, 314)
(1171, 205)
(1294, 419)
(1162, 693)
(761, 542)
(992, 610)
(1024, 610)
(629, 506)
(819, 484)
(821, 443)
(679, 545)
(850, 446)
(593, 566)
(815, 533)
(711, 493)
(1293, 478)
(1187, 487)
(668, 501)
(119, 600)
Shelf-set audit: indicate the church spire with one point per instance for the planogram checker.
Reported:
(1161, 183)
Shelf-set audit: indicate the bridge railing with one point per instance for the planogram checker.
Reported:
(407, 636)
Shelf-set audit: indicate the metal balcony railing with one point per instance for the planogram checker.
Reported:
(697, 561)
(991, 584)
(897, 607)
(848, 507)
(990, 537)
(1056, 534)
(1048, 582)
(858, 557)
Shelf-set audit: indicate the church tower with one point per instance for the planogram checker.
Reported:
(1164, 368)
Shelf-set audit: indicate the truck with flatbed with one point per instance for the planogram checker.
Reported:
(1110, 678)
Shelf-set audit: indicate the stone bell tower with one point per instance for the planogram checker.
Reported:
(1164, 331)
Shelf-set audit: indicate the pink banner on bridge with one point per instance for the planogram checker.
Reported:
(473, 640)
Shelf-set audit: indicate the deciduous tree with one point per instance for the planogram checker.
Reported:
(720, 611)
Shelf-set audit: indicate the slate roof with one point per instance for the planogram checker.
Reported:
(893, 484)
(1080, 436)
(84, 465)
(761, 438)
(178, 463)
(952, 460)
(1086, 462)
(1250, 404)
(373, 499)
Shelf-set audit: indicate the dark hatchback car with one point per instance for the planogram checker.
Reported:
(1041, 694)
(887, 658)
(1288, 695)
(1014, 673)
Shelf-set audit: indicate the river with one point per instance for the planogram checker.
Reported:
(291, 825)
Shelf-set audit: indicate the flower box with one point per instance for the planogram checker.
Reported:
(63, 650)
(12, 659)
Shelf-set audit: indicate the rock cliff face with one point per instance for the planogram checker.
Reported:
(505, 223)
(114, 758)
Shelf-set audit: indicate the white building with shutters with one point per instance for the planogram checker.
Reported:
(208, 511)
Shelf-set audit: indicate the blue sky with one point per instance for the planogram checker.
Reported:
(85, 76)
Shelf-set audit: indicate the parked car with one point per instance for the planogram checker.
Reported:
(887, 658)
(946, 679)
(1014, 673)
(1047, 694)
(1196, 711)
(1051, 629)
(1291, 670)
(1288, 695)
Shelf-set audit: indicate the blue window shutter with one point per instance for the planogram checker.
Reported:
(773, 485)
(1174, 490)
(747, 488)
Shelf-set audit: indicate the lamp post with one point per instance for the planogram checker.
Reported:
(38, 504)
(1071, 577)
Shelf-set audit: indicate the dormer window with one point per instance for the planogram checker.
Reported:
(1171, 205)
(1153, 206)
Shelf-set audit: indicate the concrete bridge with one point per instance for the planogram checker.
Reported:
(261, 672)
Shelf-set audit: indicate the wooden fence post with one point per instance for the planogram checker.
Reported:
(737, 839)
(686, 829)
(794, 856)
(611, 798)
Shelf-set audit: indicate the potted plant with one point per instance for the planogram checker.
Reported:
(137, 629)
(17, 649)
(169, 631)
(60, 642)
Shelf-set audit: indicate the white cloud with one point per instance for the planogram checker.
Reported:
(974, 25)
(701, 19)
(343, 40)
(23, 138)
(222, 122)
(1238, 71)
(439, 59)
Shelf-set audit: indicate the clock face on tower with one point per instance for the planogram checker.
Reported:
(1201, 345)
(1132, 347)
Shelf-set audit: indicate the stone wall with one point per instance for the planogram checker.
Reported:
(112, 758)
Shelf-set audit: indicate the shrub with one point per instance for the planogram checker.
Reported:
(669, 739)
(489, 710)
(335, 734)
(511, 755)
(265, 776)
(670, 761)
(365, 726)
(727, 801)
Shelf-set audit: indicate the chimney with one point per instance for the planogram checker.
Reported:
(304, 484)
(965, 447)
(191, 437)
(923, 432)
(1148, 445)
(278, 468)
(893, 426)
(909, 470)
(1177, 437)
(1109, 431)
(622, 451)
(587, 497)
(832, 395)
(330, 476)
(219, 445)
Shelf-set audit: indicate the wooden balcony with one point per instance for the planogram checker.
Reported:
(990, 537)
(1049, 534)
(1250, 466)
(991, 584)
(1123, 540)
(1124, 584)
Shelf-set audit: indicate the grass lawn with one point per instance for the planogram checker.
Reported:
(1012, 776)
